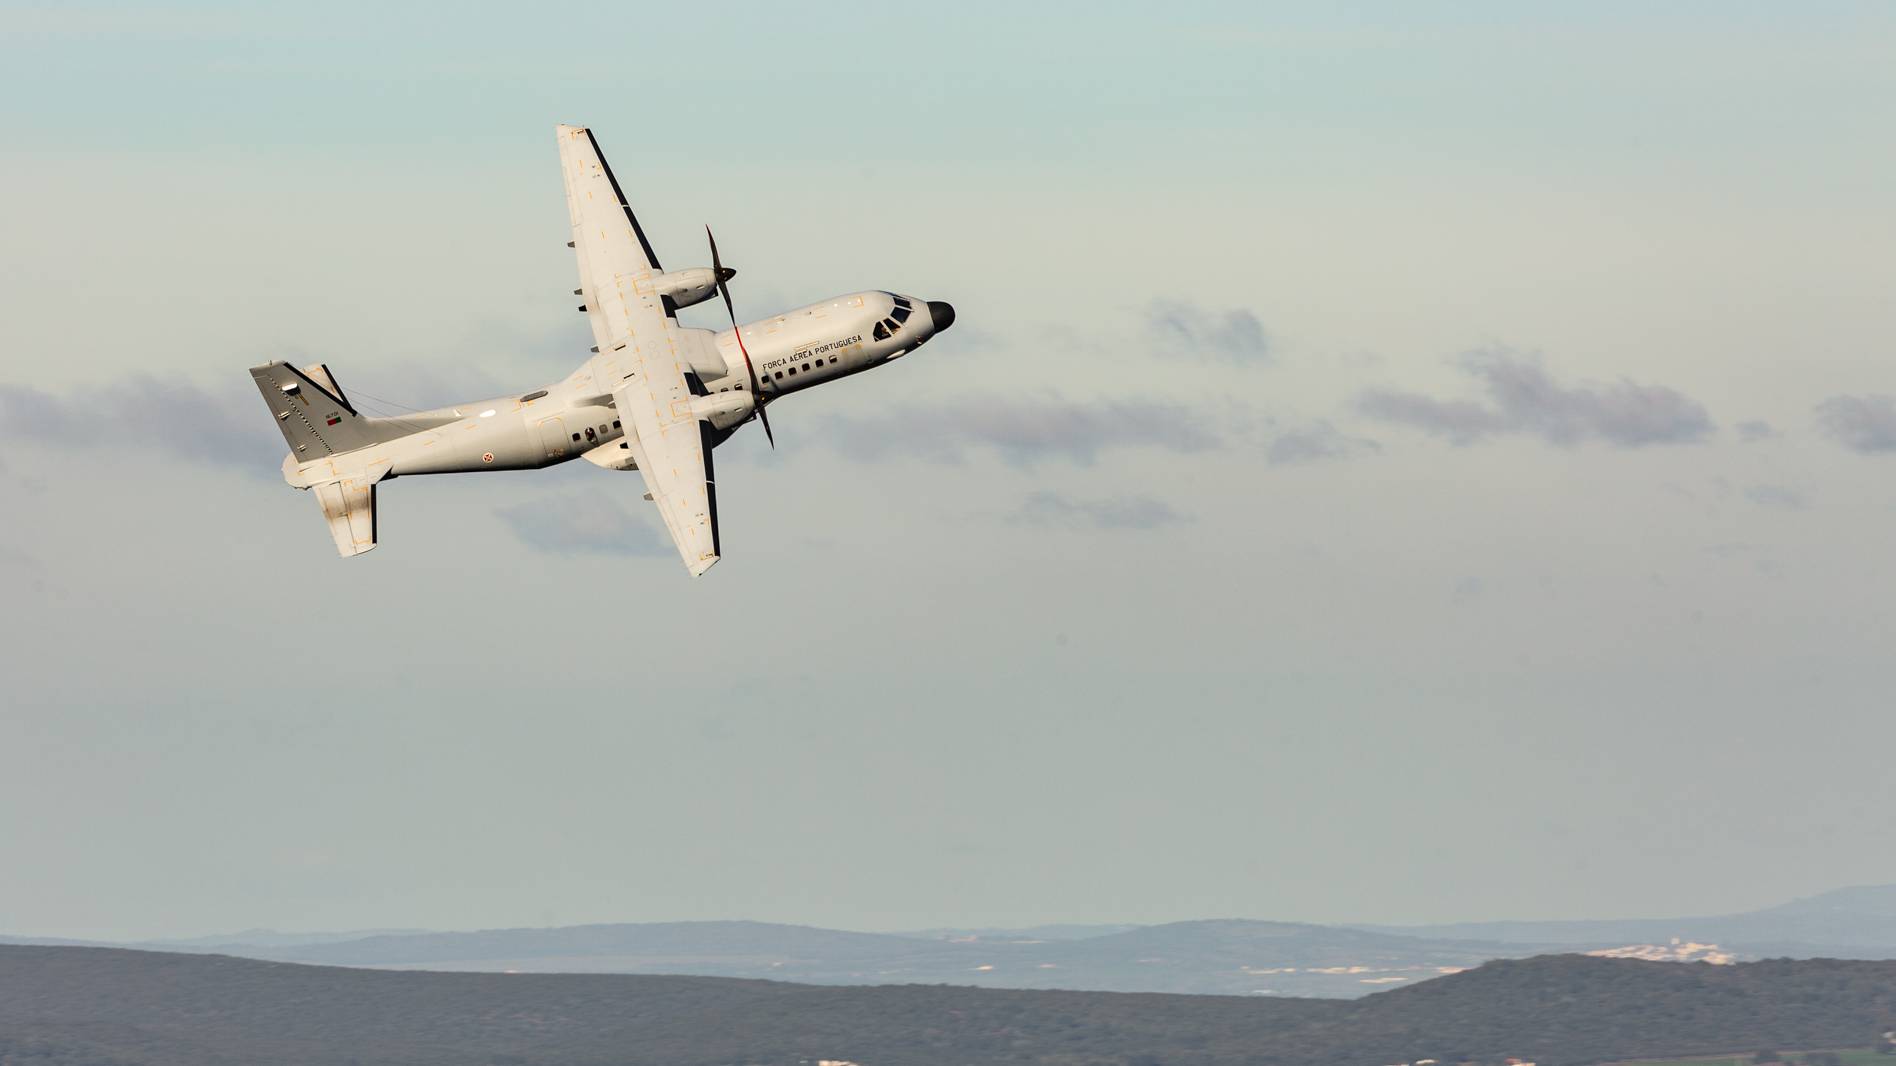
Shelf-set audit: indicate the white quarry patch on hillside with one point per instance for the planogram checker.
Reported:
(1677, 951)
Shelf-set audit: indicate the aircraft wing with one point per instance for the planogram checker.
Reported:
(674, 456)
(615, 259)
(639, 358)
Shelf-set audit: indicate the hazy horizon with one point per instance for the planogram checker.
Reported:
(1390, 465)
(945, 927)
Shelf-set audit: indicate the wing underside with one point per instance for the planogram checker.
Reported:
(675, 460)
(640, 359)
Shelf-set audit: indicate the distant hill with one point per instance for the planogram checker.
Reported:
(1058, 931)
(1852, 922)
(1221, 957)
(1209, 957)
(267, 938)
(110, 1007)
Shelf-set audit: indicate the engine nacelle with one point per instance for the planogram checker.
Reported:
(724, 409)
(687, 287)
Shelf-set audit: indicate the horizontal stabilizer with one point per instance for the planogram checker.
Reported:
(349, 506)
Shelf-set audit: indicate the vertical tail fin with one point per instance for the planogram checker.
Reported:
(311, 410)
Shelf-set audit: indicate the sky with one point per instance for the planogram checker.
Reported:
(1393, 463)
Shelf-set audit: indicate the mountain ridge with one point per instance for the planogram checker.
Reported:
(1231, 956)
(116, 1007)
(1860, 918)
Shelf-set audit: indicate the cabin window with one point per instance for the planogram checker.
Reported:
(779, 375)
(806, 366)
(793, 371)
(615, 423)
(575, 437)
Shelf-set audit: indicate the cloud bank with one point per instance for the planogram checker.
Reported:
(1023, 431)
(1523, 398)
(1235, 336)
(227, 427)
(1865, 424)
(1316, 443)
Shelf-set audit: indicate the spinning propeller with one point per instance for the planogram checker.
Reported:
(757, 394)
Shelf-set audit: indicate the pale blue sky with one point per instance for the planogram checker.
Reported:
(1391, 465)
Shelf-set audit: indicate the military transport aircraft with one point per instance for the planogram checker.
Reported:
(655, 396)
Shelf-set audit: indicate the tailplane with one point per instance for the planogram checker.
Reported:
(349, 505)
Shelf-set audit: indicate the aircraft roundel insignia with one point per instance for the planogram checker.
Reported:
(487, 457)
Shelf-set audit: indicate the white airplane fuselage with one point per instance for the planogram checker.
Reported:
(554, 423)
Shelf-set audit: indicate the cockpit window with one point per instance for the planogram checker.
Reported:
(881, 332)
(901, 301)
(901, 313)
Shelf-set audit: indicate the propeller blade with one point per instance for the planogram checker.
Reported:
(717, 271)
(757, 392)
(765, 419)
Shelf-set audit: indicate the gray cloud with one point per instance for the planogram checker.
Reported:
(226, 427)
(23, 573)
(590, 523)
(1315, 443)
(1024, 431)
(1755, 429)
(1126, 512)
(1524, 398)
(1235, 335)
(1462, 421)
(1861, 423)
(1777, 496)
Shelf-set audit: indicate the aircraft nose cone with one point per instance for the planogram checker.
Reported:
(943, 314)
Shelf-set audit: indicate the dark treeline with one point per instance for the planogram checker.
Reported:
(105, 1007)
